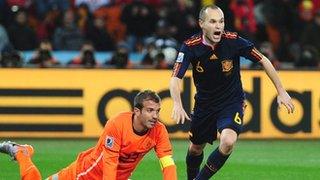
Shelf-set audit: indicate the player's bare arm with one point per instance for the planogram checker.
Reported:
(283, 97)
(178, 113)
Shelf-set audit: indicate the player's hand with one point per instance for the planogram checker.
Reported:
(285, 99)
(179, 114)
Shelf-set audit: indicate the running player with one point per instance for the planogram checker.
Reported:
(219, 101)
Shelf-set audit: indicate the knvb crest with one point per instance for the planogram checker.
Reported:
(227, 65)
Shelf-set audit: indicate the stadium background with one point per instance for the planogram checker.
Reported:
(50, 94)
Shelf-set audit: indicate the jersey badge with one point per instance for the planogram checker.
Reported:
(227, 65)
(180, 57)
(109, 142)
(147, 145)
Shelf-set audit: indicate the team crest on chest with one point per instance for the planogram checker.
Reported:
(227, 65)
(147, 145)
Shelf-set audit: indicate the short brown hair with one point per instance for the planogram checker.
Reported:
(145, 96)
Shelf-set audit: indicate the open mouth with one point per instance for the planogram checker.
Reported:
(217, 33)
(152, 122)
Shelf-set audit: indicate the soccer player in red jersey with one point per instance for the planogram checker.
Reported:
(126, 138)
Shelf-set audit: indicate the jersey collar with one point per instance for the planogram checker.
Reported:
(204, 42)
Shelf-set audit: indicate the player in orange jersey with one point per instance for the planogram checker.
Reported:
(126, 138)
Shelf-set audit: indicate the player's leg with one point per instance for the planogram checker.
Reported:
(78, 169)
(202, 130)
(22, 154)
(220, 155)
(66, 173)
(228, 139)
(194, 159)
(229, 125)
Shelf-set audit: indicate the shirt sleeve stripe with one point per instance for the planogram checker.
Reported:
(176, 69)
(254, 52)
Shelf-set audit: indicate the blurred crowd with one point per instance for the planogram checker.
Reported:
(286, 31)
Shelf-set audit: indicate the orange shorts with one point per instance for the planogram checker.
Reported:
(65, 174)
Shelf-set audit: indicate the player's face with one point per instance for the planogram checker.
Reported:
(149, 114)
(212, 25)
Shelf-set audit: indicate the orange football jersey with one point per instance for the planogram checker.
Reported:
(120, 149)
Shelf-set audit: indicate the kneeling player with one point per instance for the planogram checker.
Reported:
(125, 140)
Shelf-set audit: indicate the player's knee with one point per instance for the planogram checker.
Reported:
(195, 150)
(226, 145)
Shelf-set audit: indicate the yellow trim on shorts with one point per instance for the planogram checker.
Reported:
(166, 161)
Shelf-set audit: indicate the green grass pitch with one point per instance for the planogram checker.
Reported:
(264, 159)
